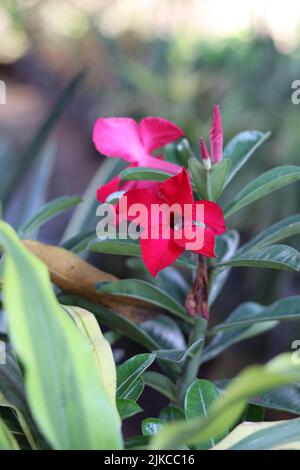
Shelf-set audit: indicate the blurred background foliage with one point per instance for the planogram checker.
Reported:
(171, 58)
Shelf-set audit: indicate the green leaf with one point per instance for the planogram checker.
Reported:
(277, 232)
(283, 398)
(151, 426)
(7, 440)
(160, 383)
(36, 192)
(200, 178)
(254, 413)
(129, 247)
(225, 339)
(80, 242)
(48, 211)
(101, 350)
(227, 409)
(113, 321)
(127, 408)
(199, 397)
(275, 257)
(272, 435)
(263, 185)
(61, 377)
(178, 356)
(287, 308)
(136, 390)
(171, 413)
(141, 290)
(31, 152)
(12, 395)
(218, 174)
(209, 182)
(165, 331)
(241, 148)
(226, 246)
(130, 371)
(145, 174)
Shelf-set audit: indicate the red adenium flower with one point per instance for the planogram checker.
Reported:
(159, 252)
(135, 143)
(216, 139)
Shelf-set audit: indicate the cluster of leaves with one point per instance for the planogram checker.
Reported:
(60, 387)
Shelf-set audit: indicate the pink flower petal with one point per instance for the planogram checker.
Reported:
(156, 132)
(118, 137)
(159, 164)
(216, 136)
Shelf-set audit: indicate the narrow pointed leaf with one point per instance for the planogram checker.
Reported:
(281, 230)
(241, 148)
(263, 185)
(48, 211)
(275, 257)
(141, 290)
(144, 173)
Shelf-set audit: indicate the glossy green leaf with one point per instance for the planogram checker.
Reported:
(141, 290)
(178, 356)
(274, 257)
(241, 148)
(151, 426)
(144, 173)
(199, 178)
(127, 408)
(165, 331)
(283, 398)
(227, 409)
(61, 377)
(171, 413)
(48, 211)
(287, 308)
(80, 242)
(136, 390)
(281, 230)
(218, 175)
(226, 246)
(199, 397)
(248, 311)
(160, 383)
(130, 371)
(263, 185)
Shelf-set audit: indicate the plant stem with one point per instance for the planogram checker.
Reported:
(191, 366)
(196, 305)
